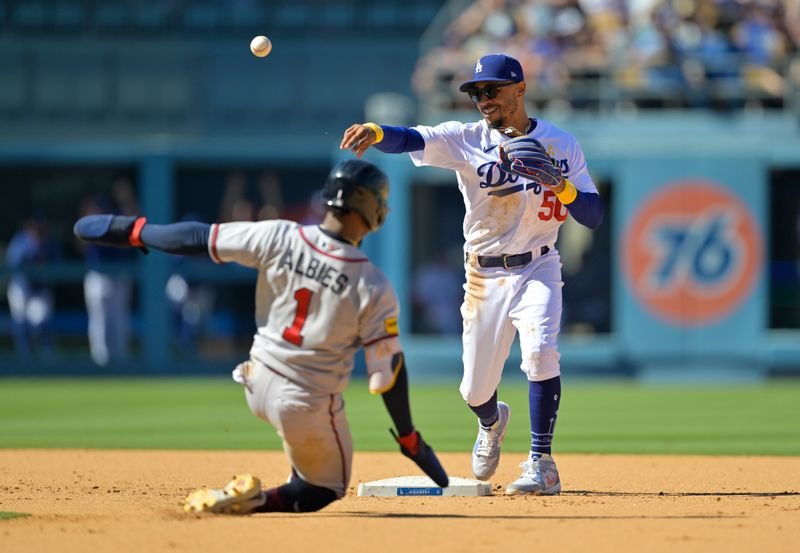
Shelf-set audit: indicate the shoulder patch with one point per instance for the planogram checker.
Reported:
(390, 325)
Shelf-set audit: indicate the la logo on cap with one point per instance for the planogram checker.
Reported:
(478, 67)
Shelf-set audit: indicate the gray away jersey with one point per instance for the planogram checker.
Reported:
(318, 300)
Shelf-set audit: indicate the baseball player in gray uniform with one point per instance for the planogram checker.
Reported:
(318, 301)
(520, 178)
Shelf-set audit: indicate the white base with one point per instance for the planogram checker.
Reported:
(404, 486)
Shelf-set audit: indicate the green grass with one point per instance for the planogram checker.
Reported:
(5, 515)
(618, 417)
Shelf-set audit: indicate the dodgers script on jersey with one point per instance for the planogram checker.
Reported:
(313, 294)
(505, 213)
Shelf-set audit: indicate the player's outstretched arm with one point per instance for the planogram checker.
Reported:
(189, 238)
(387, 139)
(411, 443)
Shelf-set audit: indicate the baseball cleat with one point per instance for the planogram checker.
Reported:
(240, 496)
(486, 452)
(539, 477)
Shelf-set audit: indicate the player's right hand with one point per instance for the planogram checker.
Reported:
(358, 138)
(415, 448)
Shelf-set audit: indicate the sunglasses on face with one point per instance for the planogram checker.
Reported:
(490, 92)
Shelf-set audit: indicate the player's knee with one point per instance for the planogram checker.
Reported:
(304, 497)
(475, 397)
(542, 365)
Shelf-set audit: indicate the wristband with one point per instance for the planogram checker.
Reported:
(135, 238)
(377, 130)
(568, 195)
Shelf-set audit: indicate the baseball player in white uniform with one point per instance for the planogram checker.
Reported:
(521, 178)
(318, 301)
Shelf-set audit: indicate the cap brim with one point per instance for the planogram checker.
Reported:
(466, 85)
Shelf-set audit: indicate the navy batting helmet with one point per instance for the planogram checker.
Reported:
(356, 185)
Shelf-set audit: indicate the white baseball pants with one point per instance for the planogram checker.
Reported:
(497, 304)
(313, 425)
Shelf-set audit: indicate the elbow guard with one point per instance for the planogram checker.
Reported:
(384, 361)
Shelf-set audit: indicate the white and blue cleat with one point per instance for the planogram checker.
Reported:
(539, 477)
(486, 452)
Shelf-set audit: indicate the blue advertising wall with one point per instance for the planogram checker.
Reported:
(699, 304)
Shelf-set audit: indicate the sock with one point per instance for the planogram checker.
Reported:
(543, 400)
(298, 496)
(487, 412)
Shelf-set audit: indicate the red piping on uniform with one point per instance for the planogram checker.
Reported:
(323, 252)
(379, 339)
(214, 255)
(339, 443)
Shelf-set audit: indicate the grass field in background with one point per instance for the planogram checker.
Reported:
(619, 417)
(4, 515)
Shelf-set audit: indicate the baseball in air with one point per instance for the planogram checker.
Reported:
(261, 46)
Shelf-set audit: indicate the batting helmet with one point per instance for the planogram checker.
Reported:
(356, 185)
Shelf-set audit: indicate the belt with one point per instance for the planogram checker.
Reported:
(507, 261)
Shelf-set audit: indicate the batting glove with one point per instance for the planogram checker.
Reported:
(111, 230)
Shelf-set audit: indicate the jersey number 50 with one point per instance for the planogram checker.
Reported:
(552, 207)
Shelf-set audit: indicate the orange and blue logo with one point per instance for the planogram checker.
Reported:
(692, 253)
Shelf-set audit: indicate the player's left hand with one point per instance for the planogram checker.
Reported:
(358, 138)
(527, 157)
(415, 448)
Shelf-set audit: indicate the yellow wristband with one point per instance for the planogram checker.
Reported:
(377, 130)
(568, 195)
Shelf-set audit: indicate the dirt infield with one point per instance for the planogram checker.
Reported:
(128, 501)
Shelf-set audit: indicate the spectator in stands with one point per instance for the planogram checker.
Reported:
(660, 53)
(269, 187)
(764, 44)
(107, 285)
(30, 304)
(234, 199)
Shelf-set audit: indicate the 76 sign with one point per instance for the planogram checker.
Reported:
(692, 253)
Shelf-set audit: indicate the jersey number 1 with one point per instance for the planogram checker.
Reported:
(292, 333)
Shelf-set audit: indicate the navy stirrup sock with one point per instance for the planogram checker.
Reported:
(487, 412)
(298, 496)
(543, 400)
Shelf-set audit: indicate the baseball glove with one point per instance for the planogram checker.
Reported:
(527, 157)
(415, 448)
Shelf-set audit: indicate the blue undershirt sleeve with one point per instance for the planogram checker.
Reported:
(178, 238)
(587, 209)
(397, 140)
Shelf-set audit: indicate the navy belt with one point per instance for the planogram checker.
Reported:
(508, 261)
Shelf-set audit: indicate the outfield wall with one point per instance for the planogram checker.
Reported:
(691, 254)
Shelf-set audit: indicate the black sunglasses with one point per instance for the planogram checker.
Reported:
(490, 91)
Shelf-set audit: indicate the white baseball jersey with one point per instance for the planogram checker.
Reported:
(318, 299)
(505, 213)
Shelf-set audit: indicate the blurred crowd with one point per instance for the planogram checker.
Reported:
(586, 54)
